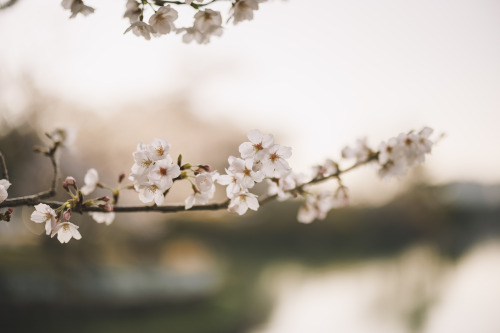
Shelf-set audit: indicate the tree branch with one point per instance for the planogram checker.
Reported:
(8, 4)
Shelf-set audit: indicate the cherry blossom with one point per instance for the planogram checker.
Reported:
(316, 206)
(203, 189)
(163, 172)
(274, 162)
(44, 214)
(91, 179)
(361, 151)
(140, 28)
(101, 217)
(257, 145)
(4, 186)
(242, 201)
(163, 20)
(65, 231)
(77, 7)
(243, 10)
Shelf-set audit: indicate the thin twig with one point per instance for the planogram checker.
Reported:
(3, 167)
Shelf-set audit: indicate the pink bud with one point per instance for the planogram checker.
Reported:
(67, 215)
(69, 181)
(108, 207)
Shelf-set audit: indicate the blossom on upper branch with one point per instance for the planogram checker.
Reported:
(133, 11)
(163, 20)
(243, 10)
(4, 186)
(140, 28)
(76, 7)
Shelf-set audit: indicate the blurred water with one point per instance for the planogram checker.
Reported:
(417, 291)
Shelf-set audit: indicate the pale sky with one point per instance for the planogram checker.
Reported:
(318, 73)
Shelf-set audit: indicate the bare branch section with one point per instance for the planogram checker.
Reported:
(8, 4)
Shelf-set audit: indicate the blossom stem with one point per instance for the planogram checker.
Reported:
(3, 167)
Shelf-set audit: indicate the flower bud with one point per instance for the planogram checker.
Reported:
(121, 177)
(108, 207)
(67, 215)
(104, 198)
(69, 181)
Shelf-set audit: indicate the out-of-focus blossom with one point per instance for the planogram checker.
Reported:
(77, 7)
(101, 217)
(91, 179)
(140, 28)
(4, 186)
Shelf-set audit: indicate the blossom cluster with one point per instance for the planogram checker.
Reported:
(153, 172)
(206, 22)
(260, 159)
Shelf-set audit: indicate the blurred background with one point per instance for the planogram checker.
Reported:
(416, 254)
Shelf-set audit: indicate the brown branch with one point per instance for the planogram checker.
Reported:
(8, 4)
(35, 199)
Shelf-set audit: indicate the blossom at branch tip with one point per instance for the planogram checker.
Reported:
(140, 28)
(163, 20)
(91, 179)
(77, 7)
(242, 201)
(44, 214)
(404, 151)
(65, 231)
(326, 169)
(4, 186)
(101, 217)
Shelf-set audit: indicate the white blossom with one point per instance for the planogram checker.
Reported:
(44, 214)
(91, 179)
(242, 201)
(203, 189)
(163, 20)
(65, 231)
(133, 11)
(101, 217)
(257, 145)
(77, 7)
(163, 172)
(361, 151)
(274, 162)
(243, 10)
(404, 151)
(205, 21)
(316, 206)
(326, 169)
(140, 28)
(4, 186)
(149, 192)
(283, 185)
